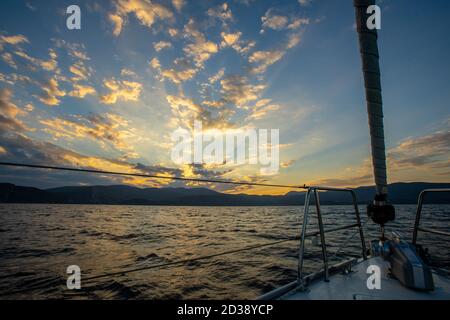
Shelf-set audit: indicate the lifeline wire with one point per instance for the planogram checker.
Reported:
(142, 175)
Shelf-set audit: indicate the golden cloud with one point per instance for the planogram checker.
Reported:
(80, 71)
(237, 90)
(13, 40)
(51, 93)
(110, 128)
(48, 65)
(9, 113)
(80, 91)
(264, 59)
(146, 11)
(161, 45)
(273, 21)
(201, 49)
(176, 76)
(121, 90)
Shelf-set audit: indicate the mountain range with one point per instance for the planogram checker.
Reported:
(399, 193)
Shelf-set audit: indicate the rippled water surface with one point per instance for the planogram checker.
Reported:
(38, 242)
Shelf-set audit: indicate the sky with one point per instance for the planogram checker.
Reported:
(109, 96)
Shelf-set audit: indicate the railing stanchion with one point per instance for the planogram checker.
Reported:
(302, 239)
(322, 235)
(358, 221)
(418, 213)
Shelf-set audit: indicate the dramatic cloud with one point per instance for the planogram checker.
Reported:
(229, 39)
(185, 110)
(117, 22)
(13, 40)
(280, 22)
(428, 151)
(146, 11)
(161, 45)
(234, 41)
(201, 49)
(209, 61)
(273, 21)
(177, 76)
(80, 91)
(19, 148)
(110, 128)
(261, 60)
(183, 106)
(48, 65)
(9, 113)
(80, 71)
(264, 59)
(51, 93)
(121, 90)
(238, 91)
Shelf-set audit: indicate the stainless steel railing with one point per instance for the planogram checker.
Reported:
(322, 231)
(417, 227)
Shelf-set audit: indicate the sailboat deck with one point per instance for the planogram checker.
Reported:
(353, 286)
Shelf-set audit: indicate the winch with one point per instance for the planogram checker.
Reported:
(406, 265)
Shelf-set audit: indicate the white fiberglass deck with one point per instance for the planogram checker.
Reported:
(353, 286)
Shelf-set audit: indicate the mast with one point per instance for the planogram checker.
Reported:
(379, 211)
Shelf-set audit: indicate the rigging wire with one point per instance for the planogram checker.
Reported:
(143, 175)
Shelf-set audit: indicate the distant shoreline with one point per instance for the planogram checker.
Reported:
(400, 193)
(206, 206)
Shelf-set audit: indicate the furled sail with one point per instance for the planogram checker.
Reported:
(371, 69)
(379, 211)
